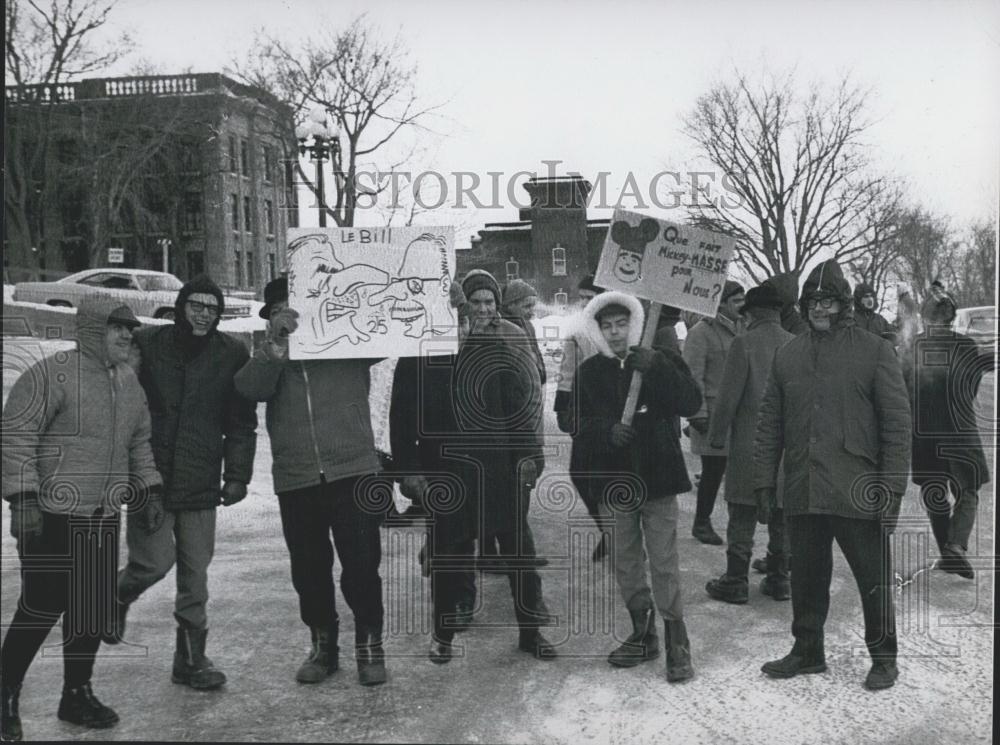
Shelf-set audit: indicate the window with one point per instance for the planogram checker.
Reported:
(268, 158)
(244, 158)
(561, 298)
(234, 209)
(251, 274)
(291, 197)
(558, 261)
(247, 215)
(269, 216)
(271, 266)
(195, 263)
(238, 269)
(191, 218)
(232, 153)
(512, 268)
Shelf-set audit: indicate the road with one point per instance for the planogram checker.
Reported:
(494, 693)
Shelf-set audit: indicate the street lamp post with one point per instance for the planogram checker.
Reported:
(321, 143)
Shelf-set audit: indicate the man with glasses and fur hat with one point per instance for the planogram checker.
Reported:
(835, 409)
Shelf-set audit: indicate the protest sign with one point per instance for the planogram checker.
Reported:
(371, 292)
(665, 262)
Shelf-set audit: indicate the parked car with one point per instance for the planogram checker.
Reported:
(979, 323)
(147, 293)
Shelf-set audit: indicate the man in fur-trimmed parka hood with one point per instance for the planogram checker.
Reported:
(638, 469)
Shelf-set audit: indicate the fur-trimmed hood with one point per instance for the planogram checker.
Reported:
(636, 320)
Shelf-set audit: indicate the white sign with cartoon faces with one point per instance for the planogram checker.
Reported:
(665, 262)
(371, 292)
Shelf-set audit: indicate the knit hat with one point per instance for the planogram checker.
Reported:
(731, 288)
(479, 279)
(199, 285)
(517, 290)
(762, 296)
(276, 291)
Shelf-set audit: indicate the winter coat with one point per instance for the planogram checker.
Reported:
(869, 319)
(705, 350)
(529, 331)
(423, 427)
(499, 415)
(787, 285)
(653, 464)
(318, 418)
(735, 415)
(943, 370)
(76, 427)
(835, 405)
(200, 422)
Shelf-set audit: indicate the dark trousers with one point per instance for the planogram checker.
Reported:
(740, 531)
(308, 517)
(948, 525)
(452, 581)
(68, 571)
(713, 468)
(525, 582)
(866, 549)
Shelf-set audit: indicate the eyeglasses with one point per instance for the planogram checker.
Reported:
(823, 302)
(203, 308)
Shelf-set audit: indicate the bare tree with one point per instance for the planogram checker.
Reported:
(46, 46)
(798, 186)
(368, 87)
(978, 270)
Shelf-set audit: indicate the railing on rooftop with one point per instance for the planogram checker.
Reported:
(146, 85)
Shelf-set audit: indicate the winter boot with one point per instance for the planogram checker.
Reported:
(759, 566)
(370, 655)
(440, 652)
(643, 644)
(799, 661)
(191, 666)
(325, 655)
(953, 561)
(80, 706)
(705, 533)
(776, 583)
(530, 640)
(11, 725)
(882, 675)
(731, 587)
(675, 640)
(116, 633)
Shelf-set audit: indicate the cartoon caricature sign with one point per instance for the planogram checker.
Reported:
(370, 292)
(668, 263)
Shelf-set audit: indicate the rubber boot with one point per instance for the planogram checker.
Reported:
(80, 706)
(11, 719)
(642, 644)
(191, 666)
(675, 640)
(324, 658)
(776, 583)
(370, 656)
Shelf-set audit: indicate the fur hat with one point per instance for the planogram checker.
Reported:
(763, 296)
(731, 288)
(599, 304)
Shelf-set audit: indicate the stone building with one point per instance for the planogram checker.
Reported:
(197, 164)
(552, 247)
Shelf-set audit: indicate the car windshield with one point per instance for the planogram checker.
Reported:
(983, 324)
(156, 282)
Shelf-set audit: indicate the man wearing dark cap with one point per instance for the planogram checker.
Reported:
(87, 408)
(866, 314)
(735, 419)
(835, 410)
(498, 408)
(204, 432)
(705, 350)
(324, 461)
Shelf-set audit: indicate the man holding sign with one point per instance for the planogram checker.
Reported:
(639, 469)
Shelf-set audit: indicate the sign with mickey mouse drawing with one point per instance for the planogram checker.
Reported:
(371, 292)
(665, 262)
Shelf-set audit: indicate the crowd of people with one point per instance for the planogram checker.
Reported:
(808, 408)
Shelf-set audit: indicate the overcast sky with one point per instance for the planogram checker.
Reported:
(602, 86)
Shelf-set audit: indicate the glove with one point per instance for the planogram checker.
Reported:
(641, 359)
(699, 425)
(565, 420)
(413, 488)
(282, 323)
(889, 517)
(767, 501)
(150, 515)
(529, 472)
(622, 434)
(25, 518)
(233, 492)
